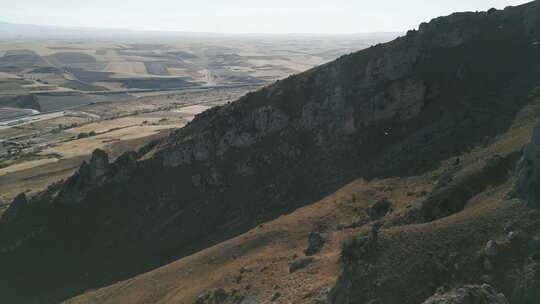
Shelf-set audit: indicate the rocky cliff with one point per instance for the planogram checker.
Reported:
(527, 178)
(395, 109)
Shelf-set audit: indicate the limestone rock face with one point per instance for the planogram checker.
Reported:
(330, 112)
(531, 17)
(94, 174)
(393, 65)
(89, 176)
(178, 157)
(448, 32)
(99, 166)
(402, 100)
(268, 119)
(240, 134)
(122, 168)
(252, 128)
(527, 183)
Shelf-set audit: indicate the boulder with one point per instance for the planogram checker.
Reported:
(491, 249)
(316, 243)
(514, 235)
(300, 264)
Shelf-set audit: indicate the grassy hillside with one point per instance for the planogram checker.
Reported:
(397, 110)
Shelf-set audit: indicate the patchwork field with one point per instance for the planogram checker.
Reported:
(28, 66)
(61, 99)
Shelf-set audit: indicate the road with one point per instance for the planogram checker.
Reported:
(30, 119)
(45, 116)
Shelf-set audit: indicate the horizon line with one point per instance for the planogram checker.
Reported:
(171, 31)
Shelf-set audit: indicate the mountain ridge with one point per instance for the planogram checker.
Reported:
(393, 110)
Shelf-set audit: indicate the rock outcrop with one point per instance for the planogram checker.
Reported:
(470, 294)
(89, 176)
(396, 109)
(492, 249)
(300, 264)
(527, 184)
(379, 209)
(316, 243)
(19, 204)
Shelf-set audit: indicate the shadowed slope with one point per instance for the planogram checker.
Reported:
(396, 109)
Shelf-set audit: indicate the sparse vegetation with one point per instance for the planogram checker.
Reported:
(399, 161)
(85, 135)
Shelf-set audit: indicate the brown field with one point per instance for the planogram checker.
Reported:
(126, 68)
(200, 61)
(34, 176)
(85, 146)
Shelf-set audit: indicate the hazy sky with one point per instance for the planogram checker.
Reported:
(241, 16)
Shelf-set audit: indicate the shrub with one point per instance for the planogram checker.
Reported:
(356, 248)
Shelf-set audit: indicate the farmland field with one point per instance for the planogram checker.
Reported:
(29, 66)
(51, 103)
(61, 99)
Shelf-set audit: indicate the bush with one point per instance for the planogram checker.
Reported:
(355, 249)
(85, 135)
(379, 209)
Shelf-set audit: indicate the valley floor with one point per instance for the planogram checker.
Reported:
(37, 154)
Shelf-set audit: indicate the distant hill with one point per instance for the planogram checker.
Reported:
(30, 31)
(400, 110)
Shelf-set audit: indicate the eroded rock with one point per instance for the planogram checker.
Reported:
(379, 209)
(90, 175)
(402, 100)
(492, 249)
(19, 204)
(527, 180)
